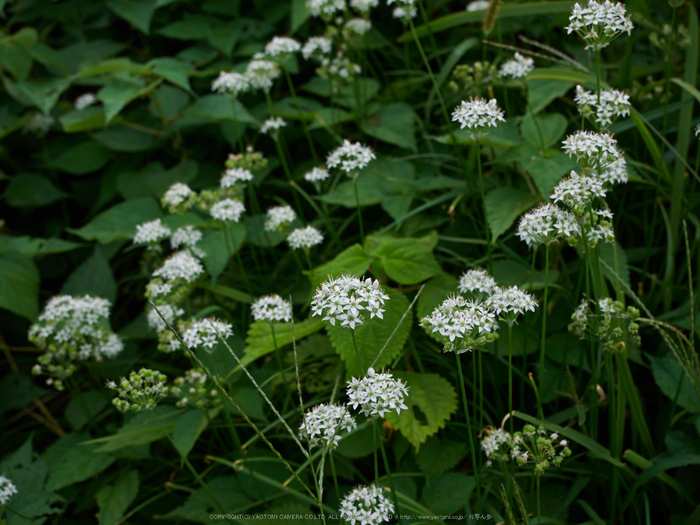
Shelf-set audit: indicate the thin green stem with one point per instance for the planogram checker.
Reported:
(544, 326)
(539, 507)
(510, 376)
(483, 204)
(280, 365)
(386, 466)
(357, 353)
(359, 210)
(470, 433)
(312, 147)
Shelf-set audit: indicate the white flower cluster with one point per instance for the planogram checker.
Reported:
(38, 123)
(509, 303)
(235, 175)
(461, 324)
(180, 266)
(478, 5)
(599, 23)
(142, 391)
(281, 46)
(279, 217)
(227, 210)
(477, 281)
(262, 73)
(350, 157)
(272, 124)
(357, 26)
(317, 47)
(305, 238)
(85, 100)
(611, 325)
(187, 236)
(613, 173)
(170, 314)
(341, 68)
(546, 224)
(195, 389)
(272, 308)
(231, 83)
(613, 104)
(325, 8)
(492, 442)
(367, 506)
(72, 329)
(316, 175)
(364, 6)
(405, 12)
(376, 394)
(477, 114)
(179, 198)
(517, 67)
(7, 490)
(578, 191)
(206, 332)
(529, 446)
(344, 298)
(322, 424)
(151, 232)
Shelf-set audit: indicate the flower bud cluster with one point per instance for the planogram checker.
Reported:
(343, 299)
(322, 424)
(366, 505)
(195, 389)
(141, 391)
(473, 80)
(613, 324)
(376, 394)
(251, 160)
(272, 308)
(72, 329)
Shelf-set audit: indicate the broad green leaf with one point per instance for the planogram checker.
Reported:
(136, 12)
(508, 272)
(503, 206)
(16, 58)
(109, 67)
(191, 27)
(85, 157)
(23, 389)
(114, 500)
(225, 490)
(118, 93)
(372, 336)
(174, 71)
(299, 14)
(394, 123)
(220, 107)
(359, 443)
(431, 402)
(259, 236)
(435, 292)
(32, 246)
(550, 127)
(85, 406)
(19, 285)
(440, 455)
(45, 94)
(122, 138)
(449, 492)
(543, 91)
(220, 245)
(354, 260)
(154, 180)
(76, 462)
(406, 261)
(187, 430)
(668, 374)
(142, 428)
(505, 135)
(259, 341)
(547, 168)
(93, 277)
(120, 221)
(87, 119)
(31, 190)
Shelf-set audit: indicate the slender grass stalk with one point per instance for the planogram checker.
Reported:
(489, 244)
(539, 507)
(229, 233)
(510, 376)
(544, 326)
(359, 210)
(469, 430)
(312, 147)
(357, 353)
(280, 365)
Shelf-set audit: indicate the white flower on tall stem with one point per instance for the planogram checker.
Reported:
(179, 198)
(364, 6)
(405, 12)
(187, 236)
(367, 506)
(376, 394)
(85, 100)
(195, 389)
(477, 281)
(262, 73)
(272, 308)
(281, 47)
(478, 5)
(477, 114)
(305, 238)
(279, 218)
(180, 266)
(206, 332)
(316, 175)
(546, 224)
(578, 191)
(613, 173)
(343, 299)
(272, 125)
(231, 83)
(233, 176)
(509, 303)
(170, 313)
(357, 26)
(350, 158)
(317, 48)
(613, 104)
(322, 424)
(592, 150)
(227, 210)
(151, 232)
(325, 8)
(517, 67)
(599, 23)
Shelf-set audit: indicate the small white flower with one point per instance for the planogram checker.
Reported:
(178, 197)
(272, 124)
(591, 149)
(316, 47)
(350, 157)
(478, 5)
(38, 123)
(170, 314)
(281, 46)
(477, 114)
(578, 191)
(364, 6)
(325, 8)
(341, 68)
(235, 175)
(517, 67)
(599, 23)
(262, 73)
(305, 238)
(7, 490)
(477, 281)
(509, 303)
(188, 236)
(272, 308)
(343, 298)
(151, 232)
(85, 100)
(405, 12)
(376, 394)
(613, 173)
(697, 130)
(227, 210)
(231, 83)
(546, 224)
(279, 217)
(366, 506)
(322, 424)
(206, 332)
(358, 26)
(613, 104)
(181, 265)
(316, 175)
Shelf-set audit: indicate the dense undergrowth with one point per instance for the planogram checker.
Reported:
(171, 161)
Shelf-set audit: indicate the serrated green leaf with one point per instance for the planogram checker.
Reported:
(394, 123)
(437, 455)
(354, 260)
(219, 246)
(174, 71)
(85, 157)
(44, 94)
(31, 190)
(551, 127)
(220, 107)
(259, 341)
(407, 261)
(372, 335)
(120, 221)
(433, 396)
(543, 91)
(449, 492)
(547, 168)
(113, 500)
(142, 428)
(503, 206)
(84, 407)
(667, 374)
(136, 12)
(75, 464)
(19, 285)
(93, 277)
(118, 93)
